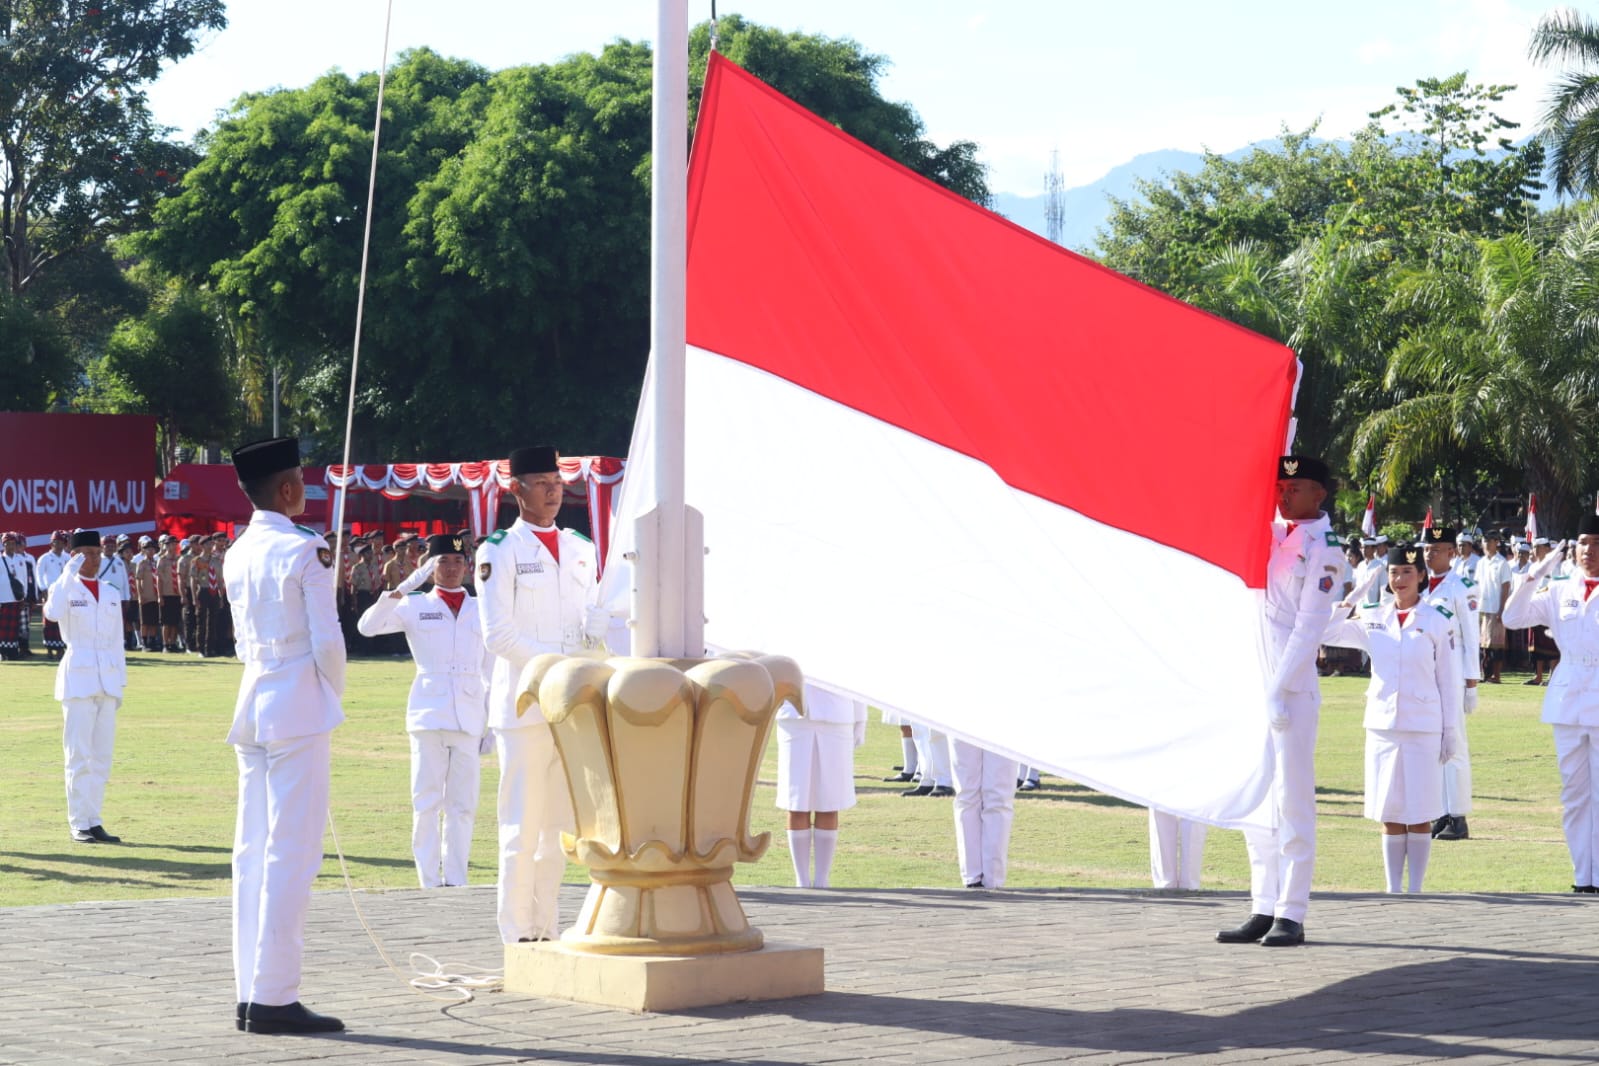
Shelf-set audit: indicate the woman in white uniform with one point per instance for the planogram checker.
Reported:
(1413, 711)
(816, 776)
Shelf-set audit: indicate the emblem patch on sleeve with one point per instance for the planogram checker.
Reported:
(1325, 584)
(483, 571)
(325, 557)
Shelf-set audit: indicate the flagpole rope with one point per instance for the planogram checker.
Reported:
(435, 982)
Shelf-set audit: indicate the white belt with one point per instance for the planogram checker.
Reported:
(256, 650)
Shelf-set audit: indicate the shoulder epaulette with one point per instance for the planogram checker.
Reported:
(1466, 581)
(1333, 541)
(306, 531)
(1558, 577)
(495, 537)
(579, 536)
(1446, 612)
(416, 592)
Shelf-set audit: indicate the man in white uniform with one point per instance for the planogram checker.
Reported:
(535, 595)
(1493, 583)
(1176, 850)
(89, 682)
(985, 806)
(1569, 608)
(1458, 595)
(1302, 578)
(280, 588)
(447, 710)
(932, 758)
(51, 565)
(816, 777)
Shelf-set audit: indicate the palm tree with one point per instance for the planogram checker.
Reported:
(1571, 120)
(1499, 355)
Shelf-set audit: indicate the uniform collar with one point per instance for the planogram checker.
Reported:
(271, 519)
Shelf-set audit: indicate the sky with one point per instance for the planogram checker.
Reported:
(1099, 83)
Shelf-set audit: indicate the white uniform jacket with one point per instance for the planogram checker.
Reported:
(1415, 669)
(1573, 696)
(1493, 573)
(1304, 578)
(1458, 596)
(50, 568)
(453, 667)
(114, 571)
(530, 605)
(93, 663)
(280, 588)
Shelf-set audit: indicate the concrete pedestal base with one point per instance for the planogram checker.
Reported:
(662, 982)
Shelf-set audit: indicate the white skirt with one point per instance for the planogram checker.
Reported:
(1404, 779)
(815, 765)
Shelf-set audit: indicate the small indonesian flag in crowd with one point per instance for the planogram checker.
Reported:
(1368, 522)
(1532, 517)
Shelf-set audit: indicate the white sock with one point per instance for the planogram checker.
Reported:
(1418, 847)
(826, 844)
(799, 849)
(908, 754)
(1393, 859)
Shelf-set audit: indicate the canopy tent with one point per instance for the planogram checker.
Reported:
(205, 498)
(591, 480)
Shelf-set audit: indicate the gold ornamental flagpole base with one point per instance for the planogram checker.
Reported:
(661, 758)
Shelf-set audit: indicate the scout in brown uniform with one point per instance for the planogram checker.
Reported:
(166, 586)
(144, 590)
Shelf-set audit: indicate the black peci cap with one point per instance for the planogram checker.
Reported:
(86, 538)
(1438, 535)
(1304, 466)
(446, 544)
(539, 460)
(1588, 525)
(262, 458)
(1405, 555)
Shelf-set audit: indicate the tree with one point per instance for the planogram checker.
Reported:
(33, 358)
(80, 157)
(1571, 119)
(169, 362)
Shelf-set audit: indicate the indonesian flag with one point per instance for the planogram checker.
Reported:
(959, 472)
(1532, 517)
(1368, 521)
(1426, 524)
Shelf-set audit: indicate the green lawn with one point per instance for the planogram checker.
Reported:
(171, 799)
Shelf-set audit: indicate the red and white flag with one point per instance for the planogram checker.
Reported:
(945, 465)
(1368, 521)
(1532, 517)
(1426, 523)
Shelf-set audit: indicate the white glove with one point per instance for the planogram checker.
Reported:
(1451, 745)
(1550, 562)
(596, 623)
(1471, 700)
(75, 564)
(1277, 712)
(417, 577)
(860, 732)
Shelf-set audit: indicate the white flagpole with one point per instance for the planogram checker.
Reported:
(674, 601)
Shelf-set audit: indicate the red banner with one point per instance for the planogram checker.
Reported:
(61, 471)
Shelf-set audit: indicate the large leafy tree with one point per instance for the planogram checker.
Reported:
(1571, 119)
(508, 296)
(80, 157)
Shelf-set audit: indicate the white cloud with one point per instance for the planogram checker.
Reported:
(1370, 52)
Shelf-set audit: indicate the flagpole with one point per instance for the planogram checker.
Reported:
(668, 296)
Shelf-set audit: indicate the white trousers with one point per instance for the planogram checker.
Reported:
(277, 851)
(535, 805)
(1176, 850)
(444, 784)
(1282, 860)
(88, 733)
(932, 752)
(1457, 776)
(985, 803)
(1577, 752)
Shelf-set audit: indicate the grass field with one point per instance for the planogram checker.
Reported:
(171, 798)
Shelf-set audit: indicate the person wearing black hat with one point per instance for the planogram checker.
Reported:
(1458, 595)
(50, 566)
(536, 587)
(447, 710)
(1303, 575)
(280, 590)
(1413, 712)
(1568, 606)
(89, 682)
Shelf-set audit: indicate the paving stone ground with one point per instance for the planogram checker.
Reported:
(920, 976)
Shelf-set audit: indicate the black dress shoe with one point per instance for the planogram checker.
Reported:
(1440, 824)
(975, 884)
(1029, 785)
(99, 833)
(1455, 830)
(901, 777)
(84, 836)
(1256, 927)
(942, 790)
(1584, 888)
(1284, 933)
(238, 1023)
(289, 1018)
(919, 790)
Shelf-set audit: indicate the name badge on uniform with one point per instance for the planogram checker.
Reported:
(430, 616)
(530, 568)
(77, 603)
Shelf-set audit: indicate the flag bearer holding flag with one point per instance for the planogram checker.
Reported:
(1459, 596)
(1302, 582)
